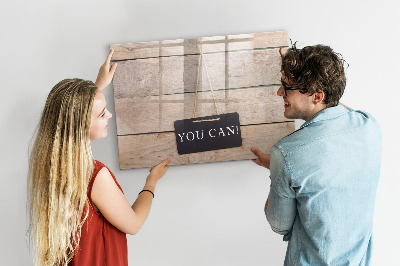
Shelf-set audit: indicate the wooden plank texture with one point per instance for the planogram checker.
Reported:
(157, 113)
(214, 44)
(147, 150)
(169, 75)
(155, 84)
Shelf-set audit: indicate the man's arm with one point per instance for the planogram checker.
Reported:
(262, 160)
(280, 208)
(280, 213)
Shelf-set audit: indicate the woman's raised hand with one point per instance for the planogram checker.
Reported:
(106, 74)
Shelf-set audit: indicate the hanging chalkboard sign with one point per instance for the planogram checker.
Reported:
(208, 133)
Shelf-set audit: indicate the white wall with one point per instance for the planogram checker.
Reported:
(208, 214)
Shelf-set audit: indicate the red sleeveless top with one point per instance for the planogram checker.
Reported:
(101, 243)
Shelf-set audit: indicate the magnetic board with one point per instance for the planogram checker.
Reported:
(159, 82)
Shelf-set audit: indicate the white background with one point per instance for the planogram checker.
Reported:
(206, 214)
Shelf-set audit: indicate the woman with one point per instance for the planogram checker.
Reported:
(78, 212)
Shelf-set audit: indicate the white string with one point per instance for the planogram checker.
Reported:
(201, 56)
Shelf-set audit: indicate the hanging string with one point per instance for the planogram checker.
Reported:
(197, 84)
(202, 59)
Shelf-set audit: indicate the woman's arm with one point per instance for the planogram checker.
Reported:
(114, 206)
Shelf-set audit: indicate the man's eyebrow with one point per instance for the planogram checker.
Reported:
(287, 85)
(284, 83)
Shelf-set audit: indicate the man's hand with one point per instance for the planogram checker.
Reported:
(263, 159)
(105, 73)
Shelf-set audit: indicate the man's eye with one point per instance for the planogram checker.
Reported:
(103, 114)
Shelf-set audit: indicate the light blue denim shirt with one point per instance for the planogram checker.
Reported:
(323, 183)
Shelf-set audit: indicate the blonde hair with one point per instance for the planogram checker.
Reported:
(60, 167)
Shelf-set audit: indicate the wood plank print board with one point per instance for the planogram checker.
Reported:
(155, 85)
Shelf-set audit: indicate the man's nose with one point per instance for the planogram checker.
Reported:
(280, 91)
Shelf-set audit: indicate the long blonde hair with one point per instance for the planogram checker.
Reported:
(60, 168)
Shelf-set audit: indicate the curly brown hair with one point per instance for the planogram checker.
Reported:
(316, 69)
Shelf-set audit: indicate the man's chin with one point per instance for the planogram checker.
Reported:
(288, 116)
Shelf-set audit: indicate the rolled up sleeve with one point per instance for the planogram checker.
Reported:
(281, 210)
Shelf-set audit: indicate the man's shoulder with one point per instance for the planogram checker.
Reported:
(365, 116)
(360, 122)
(352, 122)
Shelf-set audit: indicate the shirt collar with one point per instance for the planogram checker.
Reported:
(326, 114)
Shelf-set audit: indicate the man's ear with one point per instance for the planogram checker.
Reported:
(318, 97)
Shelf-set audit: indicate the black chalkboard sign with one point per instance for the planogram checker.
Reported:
(208, 133)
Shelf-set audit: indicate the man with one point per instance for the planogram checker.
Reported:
(324, 175)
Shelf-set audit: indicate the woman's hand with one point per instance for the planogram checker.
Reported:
(106, 74)
(158, 171)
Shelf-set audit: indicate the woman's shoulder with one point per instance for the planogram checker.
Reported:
(102, 170)
(97, 165)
